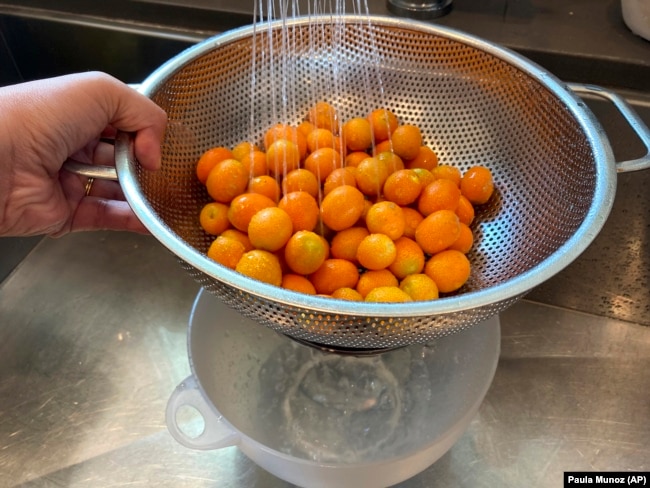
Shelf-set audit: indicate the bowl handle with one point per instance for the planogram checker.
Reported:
(631, 117)
(216, 433)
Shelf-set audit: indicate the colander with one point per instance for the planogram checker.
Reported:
(475, 103)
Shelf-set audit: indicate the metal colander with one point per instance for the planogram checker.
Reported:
(475, 103)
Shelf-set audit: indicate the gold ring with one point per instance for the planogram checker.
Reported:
(89, 185)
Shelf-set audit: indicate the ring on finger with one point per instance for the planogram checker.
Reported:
(89, 185)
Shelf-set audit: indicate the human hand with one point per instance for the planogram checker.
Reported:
(45, 122)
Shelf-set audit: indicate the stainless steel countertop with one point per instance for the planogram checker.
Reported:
(93, 341)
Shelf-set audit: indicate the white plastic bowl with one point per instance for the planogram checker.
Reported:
(318, 419)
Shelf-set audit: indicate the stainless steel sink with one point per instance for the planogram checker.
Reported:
(92, 326)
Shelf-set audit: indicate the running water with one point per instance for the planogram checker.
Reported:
(341, 409)
(295, 66)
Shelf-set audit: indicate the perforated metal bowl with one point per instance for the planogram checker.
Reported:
(475, 102)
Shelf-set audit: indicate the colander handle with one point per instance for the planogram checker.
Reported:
(216, 433)
(632, 118)
(90, 170)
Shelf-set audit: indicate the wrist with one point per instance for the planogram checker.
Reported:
(7, 155)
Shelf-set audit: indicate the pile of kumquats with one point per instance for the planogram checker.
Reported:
(357, 209)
